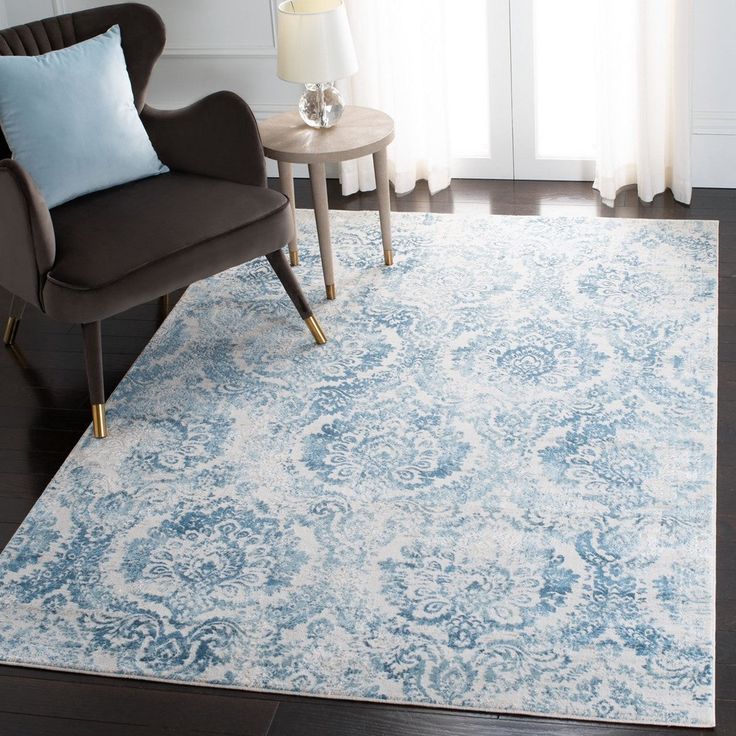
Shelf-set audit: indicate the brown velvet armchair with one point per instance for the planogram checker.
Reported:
(106, 252)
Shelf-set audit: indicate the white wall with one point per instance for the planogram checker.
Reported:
(211, 45)
(230, 44)
(714, 94)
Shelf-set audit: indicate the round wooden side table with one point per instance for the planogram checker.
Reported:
(361, 131)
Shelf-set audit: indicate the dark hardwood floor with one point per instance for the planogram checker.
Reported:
(43, 411)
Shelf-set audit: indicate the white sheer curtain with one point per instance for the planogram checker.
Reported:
(644, 117)
(401, 51)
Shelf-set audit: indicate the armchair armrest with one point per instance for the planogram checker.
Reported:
(27, 240)
(216, 136)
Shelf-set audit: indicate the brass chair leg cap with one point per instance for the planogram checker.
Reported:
(388, 257)
(294, 257)
(316, 330)
(331, 291)
(99, 421)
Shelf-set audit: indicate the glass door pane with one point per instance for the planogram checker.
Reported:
(477, 59)
(554, 88)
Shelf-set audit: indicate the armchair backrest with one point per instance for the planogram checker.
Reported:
(143, 38)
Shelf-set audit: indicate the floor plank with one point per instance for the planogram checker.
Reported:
(135, 704)
(19, 724)
(325, 718)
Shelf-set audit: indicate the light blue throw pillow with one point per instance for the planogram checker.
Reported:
(70, 120)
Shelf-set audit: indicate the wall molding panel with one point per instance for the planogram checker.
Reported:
(242, 51)
(268, 109)
(217, 52)
(714, 148)
(714, 122)
(206, 50)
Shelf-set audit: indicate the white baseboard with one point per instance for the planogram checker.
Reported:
(714, 148)
(714, 161)
(300, 170)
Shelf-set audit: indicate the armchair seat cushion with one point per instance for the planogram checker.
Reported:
(122, 246)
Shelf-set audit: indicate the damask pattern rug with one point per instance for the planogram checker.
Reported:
(492, 489)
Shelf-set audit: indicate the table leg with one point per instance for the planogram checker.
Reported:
(318, 179)
(380, 166)
(286, 184)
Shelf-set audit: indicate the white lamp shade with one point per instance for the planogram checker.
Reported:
(314, 41)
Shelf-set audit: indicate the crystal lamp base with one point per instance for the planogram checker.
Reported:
(321, 105)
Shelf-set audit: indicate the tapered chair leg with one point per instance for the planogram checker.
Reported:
(280, 265)
(91, 333)
(17, 307)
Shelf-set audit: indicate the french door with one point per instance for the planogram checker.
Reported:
(523, 88)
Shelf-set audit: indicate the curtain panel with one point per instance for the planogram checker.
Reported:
(401, 52)
(643, 63)
(644, 109)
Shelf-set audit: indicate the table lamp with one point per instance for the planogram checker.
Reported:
(315, 47)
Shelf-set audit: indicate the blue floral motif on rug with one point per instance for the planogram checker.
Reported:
(492, 489)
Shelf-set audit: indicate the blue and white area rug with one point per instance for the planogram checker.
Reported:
(492, 489)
